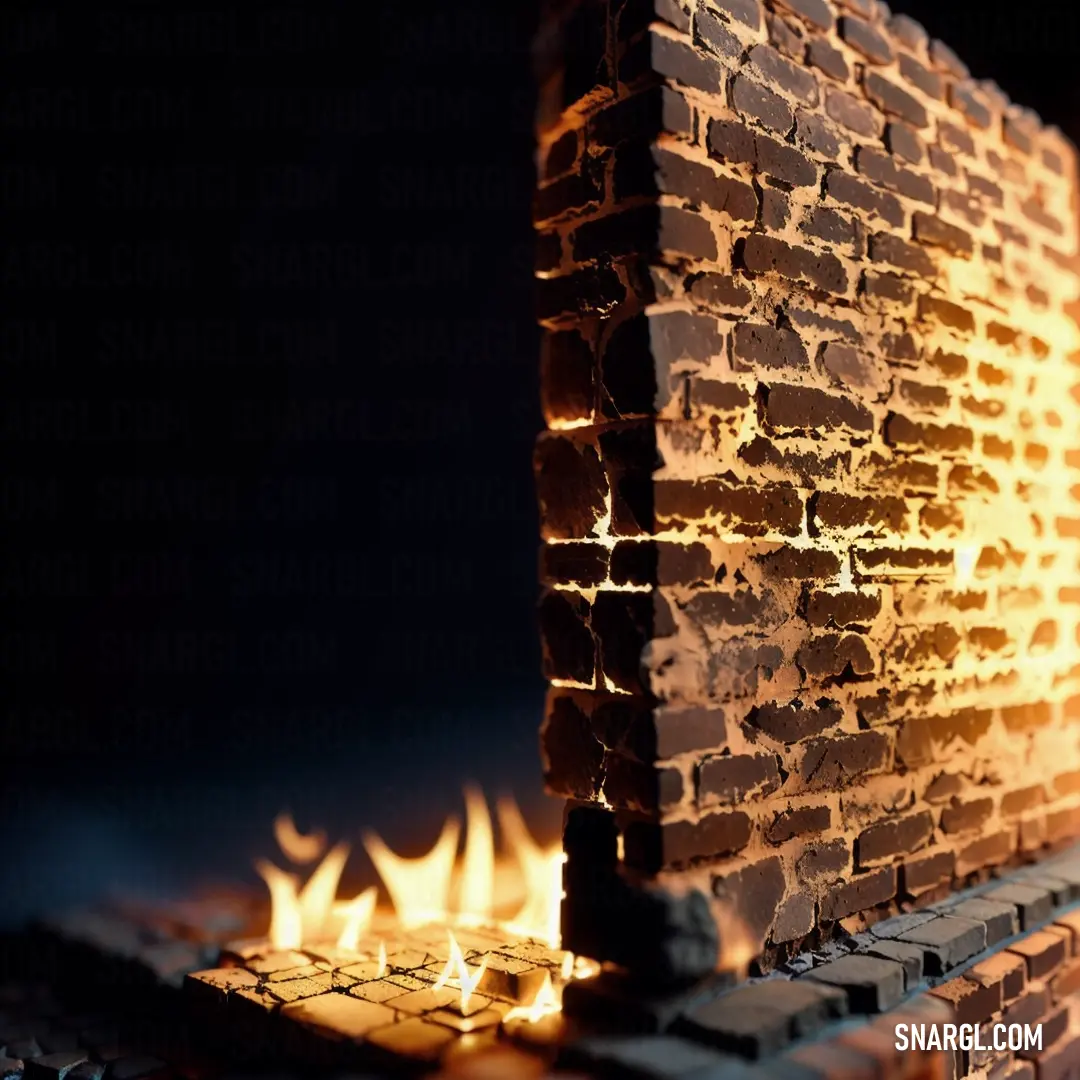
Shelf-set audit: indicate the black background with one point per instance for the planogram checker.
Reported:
(270, 398)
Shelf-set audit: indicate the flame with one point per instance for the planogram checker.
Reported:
(542, 870)
(546, 1002)
(478, 868)
(317, 896)
(419, 888)
(358, 914)
(286, 926)
(464, 978)
(298, 848)
(382, 960)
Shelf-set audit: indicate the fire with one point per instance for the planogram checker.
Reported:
(464, 978)
(434, 888)
(419, 888)
(298, 848)
(546, 1002)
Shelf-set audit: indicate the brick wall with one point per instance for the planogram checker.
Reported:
(810, 483)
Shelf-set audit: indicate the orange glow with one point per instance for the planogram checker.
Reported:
(357, 914)
(546, 1002)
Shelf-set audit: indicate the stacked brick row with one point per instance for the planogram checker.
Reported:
(810, 487)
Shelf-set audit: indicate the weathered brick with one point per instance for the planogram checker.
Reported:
(834, 511)
(825, 56)
(748, 12)
(649, 562)
(850, 113)
(816, 12)
(947, 942)
(918, 735)
(732, 780)
(762, 254)
(658, 109)
(884, 247)
(882, 169)
(972, 1002)
(795, 721)
(778, 71)
(842, 609)
(904, 142)
(806, 563)
(732, 141)
(939, 310)
(966, 816)
(872, 984)
(655, 170)
(1043, 953)
(1033, 905)
(801, 821)
(950, 438)
(892, 837)
(853, 192)
(909, 33)
(804, 408)
(756, 345)
(929, 82)
(964, 97)
(753, 511)
(922, 873)
(649, 846)
(829, 764)
(863, 38)
(930, 229)
(894, 100)
(674, 60)
(756, 101)
(862, 892)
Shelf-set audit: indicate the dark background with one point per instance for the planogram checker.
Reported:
(270, 397)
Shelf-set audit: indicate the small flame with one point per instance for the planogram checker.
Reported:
(357, 914)
(567, 968)
(317, 896)
(382, 960)
(464, 978)
(298, 848)
(478, 867)
(544, 1004)
(286, 926)
(419, 888)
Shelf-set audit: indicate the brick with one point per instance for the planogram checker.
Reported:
(925, 872)
(751, 895)
(872, 984)
(851, 113)
(658, 109)
(678, 61)
(775, 209)
(890, 838)
(955, 140)
(757, 1021)
(842, 609)
(777, 70)
(936, 309)
(804, 408)
(909, 33)
(800, 821)
(991, 850)
(909, 957)
(1005, 969)
(815, 134)
(919, 734)
(756, 345)
(966, 816)
(904, 433)
(1000, 919)
(808, 564)
(650, 847)
(887, 248)
(753, 511)
(894, 100)
(832, 511)
(823, 55)
(965, 99)
(654, 170)
(653, 563)
(830, 764)
(754, 100)
(795, 721)
(904, 142)
(921, 77)
(1024, 718)
(815, 12)
(833, 655)
(763, 254)
(729, 780)
(971, 1002)
(947, 942)
(863, 38)
(882, 169)
(863, 892)
(748, 12)
(1043, 953)
(934, 232)
(828, 224)
(853, 192)
(731, 141)
(1033, 905)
